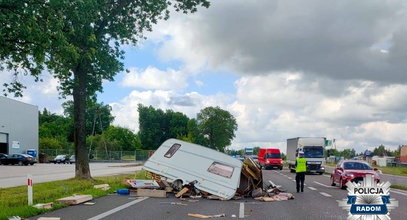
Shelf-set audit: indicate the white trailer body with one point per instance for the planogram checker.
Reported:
(313, 148)
(210, 171)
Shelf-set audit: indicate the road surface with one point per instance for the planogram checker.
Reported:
(17, 175)
(319, 201)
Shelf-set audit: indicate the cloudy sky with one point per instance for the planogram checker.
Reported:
(283, 68)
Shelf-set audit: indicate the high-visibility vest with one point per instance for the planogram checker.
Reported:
(301, 165)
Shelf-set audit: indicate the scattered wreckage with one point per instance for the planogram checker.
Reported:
(190, 169)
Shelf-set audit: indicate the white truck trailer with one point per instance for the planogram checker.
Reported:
(313, 148)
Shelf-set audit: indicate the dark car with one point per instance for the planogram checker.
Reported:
(61, 159)
(20, 159)
(2, 156)
(352, 170)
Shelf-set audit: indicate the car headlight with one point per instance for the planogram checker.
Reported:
(349, 175)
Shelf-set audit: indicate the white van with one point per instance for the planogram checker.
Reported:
(210, 171)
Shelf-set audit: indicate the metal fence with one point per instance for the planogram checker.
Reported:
(100, 155)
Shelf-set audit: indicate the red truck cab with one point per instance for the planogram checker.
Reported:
(270, 158)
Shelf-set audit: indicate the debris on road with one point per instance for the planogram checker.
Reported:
(182, 192)
(89, 203)
(14, 218)
(43, 205)
(206, 216)
(104, 187)
(152, 193)
(75, 199)
(147, 184)
(49, 218)
(199, 172)
(123, 191)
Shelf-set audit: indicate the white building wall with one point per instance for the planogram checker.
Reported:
(20, 122)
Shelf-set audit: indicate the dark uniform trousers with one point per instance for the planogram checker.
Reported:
(300, 178)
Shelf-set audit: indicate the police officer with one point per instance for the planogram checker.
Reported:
(300, 169)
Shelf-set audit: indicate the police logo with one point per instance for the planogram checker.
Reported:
(368, 200)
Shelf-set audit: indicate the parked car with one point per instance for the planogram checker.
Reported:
(270, 158)
(72, 159)
(352, 170)
(2, 156)
(60, 159)
(20, 159)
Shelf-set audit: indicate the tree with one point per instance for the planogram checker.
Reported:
(156, 126)
(218, 126)
(380, 151)
(124, 137)
(79, 43)
(98, 116)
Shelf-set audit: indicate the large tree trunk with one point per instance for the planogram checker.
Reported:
(79, 99)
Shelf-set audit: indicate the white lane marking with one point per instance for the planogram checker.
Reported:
(241, 210)
(312, 188)
(105, 214)
(321, 184)
(325, 194)
(327, 176)
(398, 192)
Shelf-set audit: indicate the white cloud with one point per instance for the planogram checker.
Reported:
(44, 93)
(153, 78)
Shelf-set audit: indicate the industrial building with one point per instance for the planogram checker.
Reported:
(18, 126)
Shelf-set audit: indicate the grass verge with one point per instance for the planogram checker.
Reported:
(395, 186)
(399, 171)
(13, 201)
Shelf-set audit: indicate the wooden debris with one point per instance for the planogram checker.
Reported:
(195, 197)
(49, 218)
(169, 189)
(206, 216)
(182, 192)
(152, 193)
(213, 197)
(43, 205)
(76, 199)
(104, 187)
(265, 199)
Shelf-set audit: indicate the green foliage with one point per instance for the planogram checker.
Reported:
(98, 115)
(156, 126)
(124, 137)
(79, 42)
(55, 126)
(382, 151)
(346, 153)
(218, 126)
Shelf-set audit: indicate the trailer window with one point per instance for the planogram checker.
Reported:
(221, 169)
(172, 150)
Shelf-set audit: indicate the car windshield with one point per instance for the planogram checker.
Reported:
(356, 166)
(273, 156)
(313, 152)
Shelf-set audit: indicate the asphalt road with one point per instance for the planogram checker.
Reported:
(393, 179)
(13, 175)
(319, 201)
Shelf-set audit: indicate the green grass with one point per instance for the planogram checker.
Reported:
(399, 171)
(13, 201)
(395, 186)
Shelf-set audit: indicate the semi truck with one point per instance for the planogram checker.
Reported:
(313, 148)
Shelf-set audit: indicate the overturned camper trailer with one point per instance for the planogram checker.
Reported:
(206, 169)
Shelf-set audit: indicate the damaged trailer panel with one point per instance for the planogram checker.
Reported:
(208, 170)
